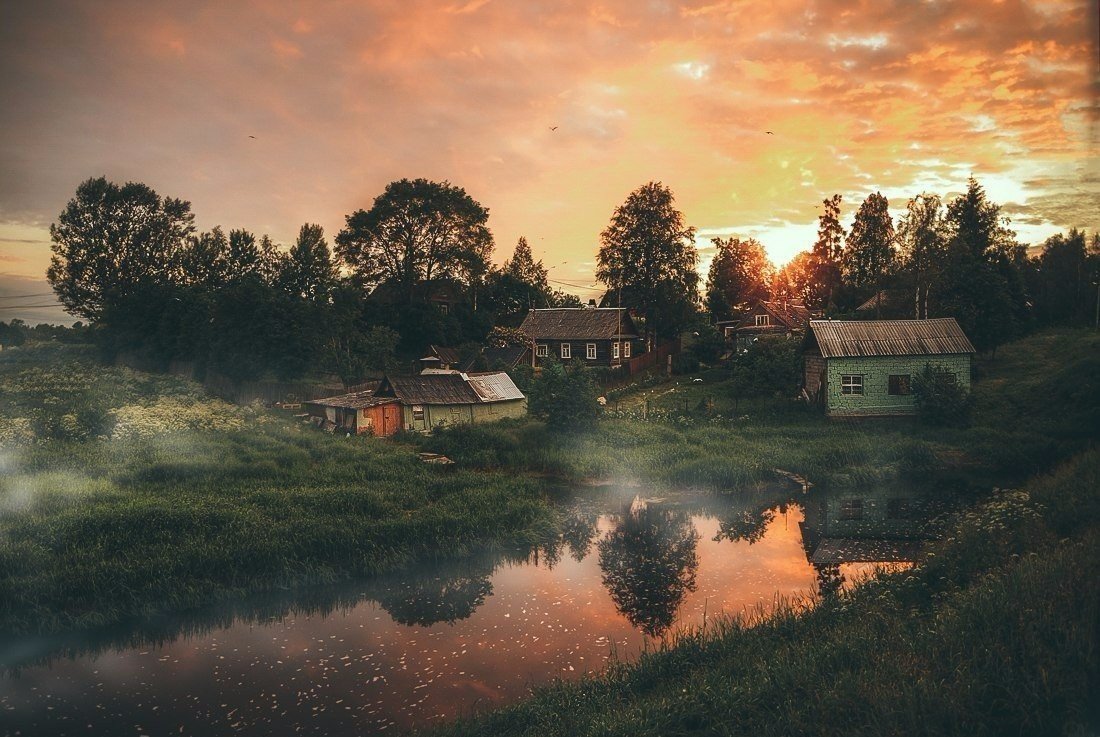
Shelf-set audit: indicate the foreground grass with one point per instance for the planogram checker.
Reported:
(995, 633)
(188, 500)
(1037, 403)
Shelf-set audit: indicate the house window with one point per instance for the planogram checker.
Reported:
(443, 307)
(566, 350)
(761, 321)
(626, 349)
(899, 384)
(590, 351)
(851, 509)
(851, 384)
(542, 350)
(615, 349)
(418, 411)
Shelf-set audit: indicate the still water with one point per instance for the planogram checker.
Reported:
(445, 640)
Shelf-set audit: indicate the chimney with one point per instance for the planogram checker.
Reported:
(591, 304)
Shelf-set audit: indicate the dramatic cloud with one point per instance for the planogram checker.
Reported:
(549, 113)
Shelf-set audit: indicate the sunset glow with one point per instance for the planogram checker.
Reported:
(549, 113)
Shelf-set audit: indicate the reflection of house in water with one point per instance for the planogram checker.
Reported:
(847, 534)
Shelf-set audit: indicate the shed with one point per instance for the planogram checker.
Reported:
(451, 398)
(866, 367)
(357, 412)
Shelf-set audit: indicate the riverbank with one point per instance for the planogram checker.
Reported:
(993, 633)
(124, 494)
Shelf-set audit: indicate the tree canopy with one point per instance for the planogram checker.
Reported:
(869, 253)
(740, 275)
(649, 253)
(827, 254)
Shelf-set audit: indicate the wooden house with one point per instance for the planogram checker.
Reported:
(359, 413)
(765, 318)
(488, 358)
(452, 398)
(599, 336)
(866, 367)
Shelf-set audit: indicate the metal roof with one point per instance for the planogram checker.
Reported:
(495, 387)
(354, 400)
(850, 338)
(579, 323)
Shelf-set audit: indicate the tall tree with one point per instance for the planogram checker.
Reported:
(869, 253)
(519, 285)
(648, 252)
(416, 231)
(979, 288)
(1064, 290)
(308, 271)
(111, 239)
(795, 279)
(740, 275)
(827, 254)
(922, 240)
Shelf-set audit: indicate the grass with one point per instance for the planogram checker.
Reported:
(164, 499)
(995, 633)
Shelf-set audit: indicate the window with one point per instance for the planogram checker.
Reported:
(761, 321)
(626, 349)
(590, 351)
(615, 349)
(542, 350)
(851, 509)
(566, 350)
(899, 384)
(851, 384)
(443, 307)
(418, 411)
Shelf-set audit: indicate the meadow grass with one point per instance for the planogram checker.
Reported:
(185, 500)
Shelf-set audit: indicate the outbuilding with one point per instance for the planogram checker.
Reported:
(866, 367)
(359, 413)
(435, 399)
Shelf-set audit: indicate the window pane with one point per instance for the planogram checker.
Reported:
(899, 384)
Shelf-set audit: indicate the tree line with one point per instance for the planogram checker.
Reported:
(957, 260)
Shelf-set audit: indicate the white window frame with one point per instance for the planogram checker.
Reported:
(590, 351)
(615, 350)
(418, 412)
(851, 385)
(626, 349)
(542, 350)
(566, 350)
(762, 321)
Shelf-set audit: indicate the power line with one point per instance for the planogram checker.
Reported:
(25, 296)
(28, 307)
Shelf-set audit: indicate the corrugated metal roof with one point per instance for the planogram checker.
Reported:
(849, 338)
(354, 400)
(497, 387)
(578, 323)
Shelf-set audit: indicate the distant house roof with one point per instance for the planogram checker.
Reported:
(848, 338)
(443, 354)
(579, 323)
(508, 356)
(450, 388)
(354, 400)
(786, 315)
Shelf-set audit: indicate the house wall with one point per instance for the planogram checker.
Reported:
(457, 414)
(579, 351)
(814, 374)
(876, 371)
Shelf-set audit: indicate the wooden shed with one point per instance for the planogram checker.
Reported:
(361, 413)
(866, 367)
(435, 399)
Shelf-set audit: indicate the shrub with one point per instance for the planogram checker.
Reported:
(941, 399)
(565, 398)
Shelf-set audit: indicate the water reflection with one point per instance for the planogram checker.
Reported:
(447, 594)
(847, 535)
(649, 563)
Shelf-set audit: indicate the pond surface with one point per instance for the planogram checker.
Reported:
(444, 640)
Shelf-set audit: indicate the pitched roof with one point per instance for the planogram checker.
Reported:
(445, 354)
(787, 314)
(508, 356)
(450, 388)
(848, 338)
(354, 400)
(579, 323)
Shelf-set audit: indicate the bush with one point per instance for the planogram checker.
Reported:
(565, 398)
(941, 399)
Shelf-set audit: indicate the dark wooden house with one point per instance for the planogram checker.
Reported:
(765, 318)
(488, 358)
(599, 336)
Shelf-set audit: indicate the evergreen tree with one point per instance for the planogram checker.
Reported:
(308, 271)
(869, 253)
(827, 254)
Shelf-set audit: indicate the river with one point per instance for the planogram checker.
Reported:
(444, 640)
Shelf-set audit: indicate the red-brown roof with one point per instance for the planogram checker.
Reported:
(579, 323)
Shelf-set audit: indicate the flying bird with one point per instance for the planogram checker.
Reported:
(252, 136)
(769, 133)
(553, 127)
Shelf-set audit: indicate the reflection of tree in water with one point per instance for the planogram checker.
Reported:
(747, 524)
(577, 531)
(649, 563)
(441, 596)
(829, 581)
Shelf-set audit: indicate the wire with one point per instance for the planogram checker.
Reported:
(28, 307)
(25, 296)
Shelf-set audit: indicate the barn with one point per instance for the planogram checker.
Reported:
(359, 413)
(866, 367)
(434, 399)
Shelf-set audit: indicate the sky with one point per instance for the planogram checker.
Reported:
(266, 115)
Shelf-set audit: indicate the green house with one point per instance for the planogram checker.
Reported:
(866, 367)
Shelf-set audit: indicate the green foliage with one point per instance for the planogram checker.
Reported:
(740, 275)
(772, 366)
(869, 251)
(825, 258)
(564, 397)
(941, 398)
(648, 254)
